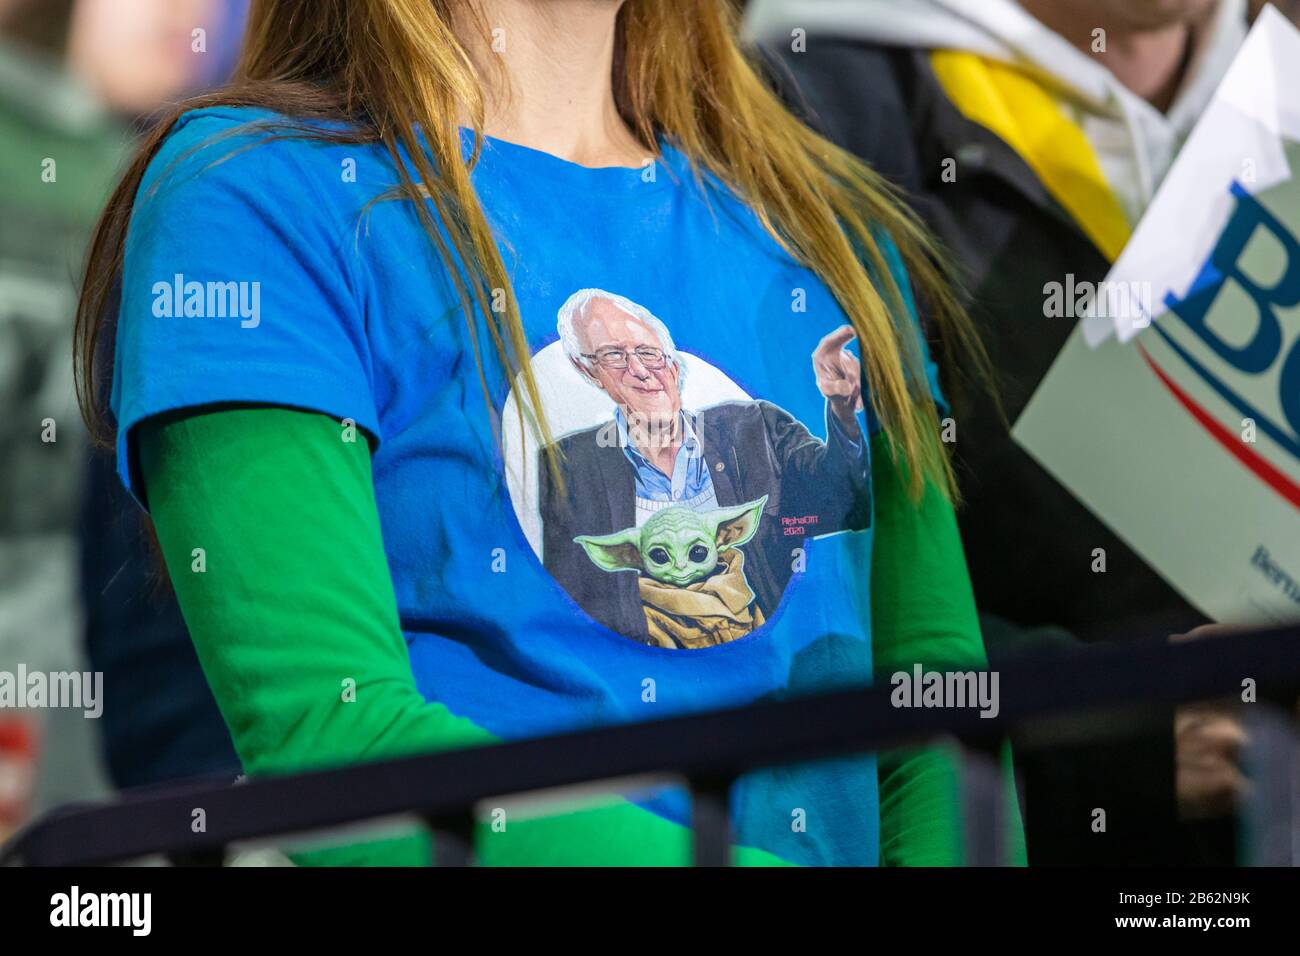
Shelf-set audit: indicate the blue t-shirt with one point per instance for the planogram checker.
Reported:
(709, 541)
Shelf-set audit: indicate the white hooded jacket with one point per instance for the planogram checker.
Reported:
(1135, 143)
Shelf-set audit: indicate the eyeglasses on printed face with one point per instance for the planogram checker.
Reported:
(651, 358)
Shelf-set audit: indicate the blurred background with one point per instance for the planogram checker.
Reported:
(79, 80)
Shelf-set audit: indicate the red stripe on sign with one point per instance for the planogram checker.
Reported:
(1266, 473)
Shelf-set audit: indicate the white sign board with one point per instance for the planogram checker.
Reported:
(1182, 429)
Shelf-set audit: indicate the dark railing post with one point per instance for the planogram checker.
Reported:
(983, 807)
(453, 839)
(711, 821)
(1272, 761)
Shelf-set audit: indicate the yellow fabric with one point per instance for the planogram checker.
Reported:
(1018, 110)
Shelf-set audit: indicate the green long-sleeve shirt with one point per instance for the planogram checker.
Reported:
(271, 535)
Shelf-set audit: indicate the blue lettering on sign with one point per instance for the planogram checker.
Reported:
(1262, 352)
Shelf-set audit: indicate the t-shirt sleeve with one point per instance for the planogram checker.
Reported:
(236, 286)
(894, 259)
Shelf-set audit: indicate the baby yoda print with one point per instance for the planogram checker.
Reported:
(692, 572)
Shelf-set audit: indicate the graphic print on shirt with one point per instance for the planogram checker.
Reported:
(683, 505)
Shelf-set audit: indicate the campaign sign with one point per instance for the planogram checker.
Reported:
(1181, 427)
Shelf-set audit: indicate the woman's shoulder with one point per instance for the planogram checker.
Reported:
(252, 150)
(201, 131)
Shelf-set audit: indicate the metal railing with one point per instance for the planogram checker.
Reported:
(708, 750)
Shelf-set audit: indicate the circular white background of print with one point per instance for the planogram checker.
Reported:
(573, 404)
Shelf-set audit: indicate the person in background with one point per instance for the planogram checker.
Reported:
(61, 151)
(70, 72)
(140, 55)
(1032, 135)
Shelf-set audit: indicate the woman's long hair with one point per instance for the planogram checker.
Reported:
(390, 68)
